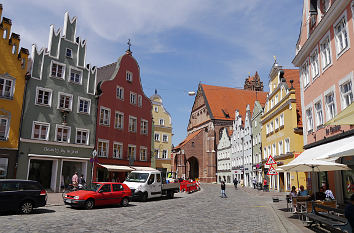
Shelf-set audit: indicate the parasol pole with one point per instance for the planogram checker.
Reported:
(297, 176)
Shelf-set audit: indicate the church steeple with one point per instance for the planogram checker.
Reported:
(253, 83)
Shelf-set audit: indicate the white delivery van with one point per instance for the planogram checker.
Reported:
(148, 183)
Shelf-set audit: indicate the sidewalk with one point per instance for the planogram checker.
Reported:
(55, 199)
(289, 221)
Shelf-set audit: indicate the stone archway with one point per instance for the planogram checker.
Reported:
(193, 168)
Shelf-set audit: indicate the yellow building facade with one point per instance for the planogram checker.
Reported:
(282, 127)
(13, 67)
(162, 134)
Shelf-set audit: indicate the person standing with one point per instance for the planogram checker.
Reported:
(75, 180)
(223, 194)
(82, 181)
(235, 183)
(265, 185)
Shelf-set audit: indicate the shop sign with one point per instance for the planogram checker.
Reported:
(57, 150)
(332, 130)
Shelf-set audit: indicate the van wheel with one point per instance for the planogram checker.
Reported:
(144, 197)
(170, 195)
(26, 207)
(125, 202)
(89, 204)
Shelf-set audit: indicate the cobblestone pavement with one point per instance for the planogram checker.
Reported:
(203, 211)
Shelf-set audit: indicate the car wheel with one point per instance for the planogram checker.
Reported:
(89, 204)
(171, 194)
(144, 197)
(125, 202)
(26, 207)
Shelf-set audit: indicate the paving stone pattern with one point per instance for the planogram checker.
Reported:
(203, 211)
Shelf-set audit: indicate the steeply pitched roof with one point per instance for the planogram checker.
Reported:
(223, 101)
(188, 138)
(105, 72)
(294, 74)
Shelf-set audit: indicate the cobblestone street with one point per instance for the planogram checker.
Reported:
(202, 211)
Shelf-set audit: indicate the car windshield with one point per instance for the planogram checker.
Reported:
(137, 177)
(93, 187)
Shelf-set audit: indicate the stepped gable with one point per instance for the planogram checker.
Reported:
(223, 101)
(253, 83)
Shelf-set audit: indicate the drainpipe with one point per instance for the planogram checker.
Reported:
(27, 78)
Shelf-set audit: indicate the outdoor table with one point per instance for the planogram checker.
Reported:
(301, 203)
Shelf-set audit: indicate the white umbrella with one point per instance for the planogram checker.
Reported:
(313, 166)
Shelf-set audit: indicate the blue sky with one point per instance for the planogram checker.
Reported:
(177, 43)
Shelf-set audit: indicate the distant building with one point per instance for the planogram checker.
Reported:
(325, 57)
(257, 140)
(213, 111)
(58, 133)
(223, 158)
(13, 67)
(282, 127)
(124, 122)
(162, 134)
(253, 83)
(237, 150)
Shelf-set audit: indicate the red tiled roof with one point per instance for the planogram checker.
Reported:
(294, 74)
(224, 101)
(188, 138)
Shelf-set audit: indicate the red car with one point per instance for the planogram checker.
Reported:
(100, 193)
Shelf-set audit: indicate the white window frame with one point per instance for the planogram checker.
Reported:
(309, 118)
(87, 136)
(156, 137)
(142, 121)
(157, 154)
(62, 127)
(340, 51)
(331, 90)
(109, 116)
(347, 79)
(324, 54)
(49, 98)
(71, 101)
(71, 52)
(280, 147)
(133, 100)
(163, 138)
(116, 119)
(7, 127)
(281, 120)
(319, 121)
(129, 76)
(133, 146)
(140, 101)
(72, 68)
(143, 148)
(120, 151)
(156, 109)
(276, 123)
(163, 154)
(40, 123)
(107, 148)
(305, 74)
(136, 124)
(271, 127)
(51, 68)
(120, 93)
(315, 66)
(274, 149)
(12, 88)
(161, 120)
(287, 145)
(89, 105)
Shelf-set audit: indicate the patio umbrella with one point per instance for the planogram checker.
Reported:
(345, 117)
(313, 166)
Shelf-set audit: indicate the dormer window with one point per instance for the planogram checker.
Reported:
(129, 76)
(69, 53)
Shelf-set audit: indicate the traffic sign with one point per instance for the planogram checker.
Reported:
(271, 171)
(270, 161)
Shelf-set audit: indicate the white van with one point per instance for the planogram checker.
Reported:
(148, 183)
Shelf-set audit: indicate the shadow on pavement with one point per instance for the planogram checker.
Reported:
(35, 211)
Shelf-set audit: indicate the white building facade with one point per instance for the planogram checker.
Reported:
(223, 158)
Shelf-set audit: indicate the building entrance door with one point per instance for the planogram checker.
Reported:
(41, 171)
(193, 168)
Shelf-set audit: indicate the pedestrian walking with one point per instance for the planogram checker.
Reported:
(223, 194)
(254, 182)
(82, 182)
(75, 180)
(265, 185)
(235, 183)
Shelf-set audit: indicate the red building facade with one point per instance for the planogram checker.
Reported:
(124, 121)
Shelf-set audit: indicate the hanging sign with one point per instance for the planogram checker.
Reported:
(270, 161)
(271, 171)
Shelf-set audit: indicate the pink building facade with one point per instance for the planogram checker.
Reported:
(325, 57)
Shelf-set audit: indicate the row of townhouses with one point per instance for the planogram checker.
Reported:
(59, 115)
(230, 136)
